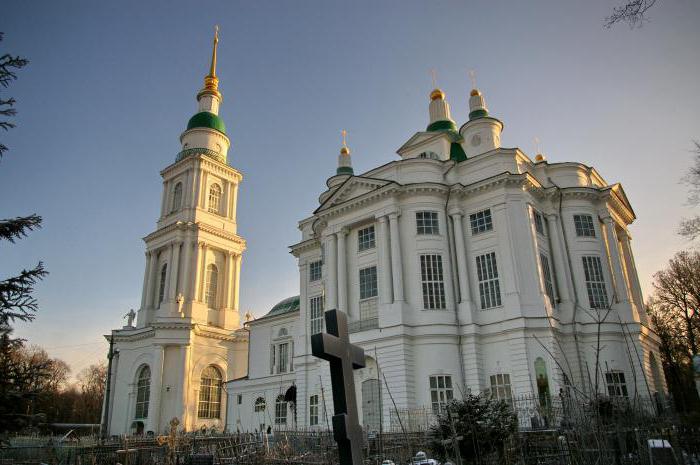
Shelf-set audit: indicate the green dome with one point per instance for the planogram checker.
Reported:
(209, 120)
(288, 305)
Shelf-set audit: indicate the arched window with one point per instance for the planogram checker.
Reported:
(210, 285)
(143, 392)
(161, 288)
(280, 410)
(542, 381)
(177, 198)
(210, 393)
(260, 404)
(214, 198)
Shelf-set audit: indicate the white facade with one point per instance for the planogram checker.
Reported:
(187, 339)
(462, 266)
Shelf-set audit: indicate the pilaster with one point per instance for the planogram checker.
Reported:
(342, 272)
(384, 278)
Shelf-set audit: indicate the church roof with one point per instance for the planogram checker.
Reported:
(206, 119)
(288, 305)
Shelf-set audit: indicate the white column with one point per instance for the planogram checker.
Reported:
(234, 200)
(185, 354)
(342, 273)
(203, 192)
(332, 273)
(153, 280)
(146, 276)
(461, 252)
(198, 264)
(230, 277)
(396, 262)
(187, 258)
(164, 199)
(173, 271)
(637, 294)
(561, 270)
(156, 388)
(385, 292)
(194, 199)
(614, 253)
(237, 281)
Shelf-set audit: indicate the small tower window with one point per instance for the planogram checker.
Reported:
(214, 198)
(429, 155)
(177, 198)
(161, 289)
(211, 285)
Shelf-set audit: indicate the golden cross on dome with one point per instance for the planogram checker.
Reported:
(344, 134)
(537, 145)
(472, 78)
(433, 74)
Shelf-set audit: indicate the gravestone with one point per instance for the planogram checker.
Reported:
(343, 357)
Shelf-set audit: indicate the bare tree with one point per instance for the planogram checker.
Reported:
(690, 227)
(92, 386)
(632, 12)
(677, 290)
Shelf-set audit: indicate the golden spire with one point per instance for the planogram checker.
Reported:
(344, 150)
(437, 93)
(211, 82)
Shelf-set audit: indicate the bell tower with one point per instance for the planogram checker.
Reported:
(193, 258)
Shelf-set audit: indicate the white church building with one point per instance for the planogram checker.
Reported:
(463, 266)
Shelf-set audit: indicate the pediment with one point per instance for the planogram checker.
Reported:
(353, 187)
(423, 138)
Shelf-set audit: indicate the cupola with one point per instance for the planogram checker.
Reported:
(482, 133)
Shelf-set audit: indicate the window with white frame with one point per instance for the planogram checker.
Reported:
(365, 239)
(259, 405)
(500, 387)
(313, 410)
(595, 283)
(481, 221)
(547, 278)
(489, 284)
(177, 198)
(427, 223)
(617, 387)
(584, 225)
(316, 315)
(143, 392)
(280, 357)
(210, 285)
(432, 282)
(214, 198)
(440, 392)
(161, 288)
(210, 393)
(280, 410)
(368, 282)
(540, 222)
(315, 270)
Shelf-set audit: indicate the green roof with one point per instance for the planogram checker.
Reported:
(288, 305)
(442, 125)
(207, 119)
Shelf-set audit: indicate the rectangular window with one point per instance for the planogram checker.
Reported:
(315, 270)
(481, 221)
(617, 387)
(547, 278)
(440, 392)
(239, 399)
(432, 281)
(273, 351)
(500, 387)
(365, 239)
(368, 282)
(282, 357)
(595, 283)
(316, 314)
(313, 410)
(427, 223)
(489, 285)
(584, 225)
(539, 223)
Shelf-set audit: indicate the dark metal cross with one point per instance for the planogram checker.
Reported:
(343, 358)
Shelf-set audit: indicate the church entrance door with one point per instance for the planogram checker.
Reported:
(371, 404)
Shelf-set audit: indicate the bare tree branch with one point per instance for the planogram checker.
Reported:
(633, 13)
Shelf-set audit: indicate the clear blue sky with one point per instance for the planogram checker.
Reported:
(111, 86)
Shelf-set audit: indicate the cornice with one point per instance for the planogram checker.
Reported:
(218, 232)
(177, 226)
(220, 334)
(304, 246)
